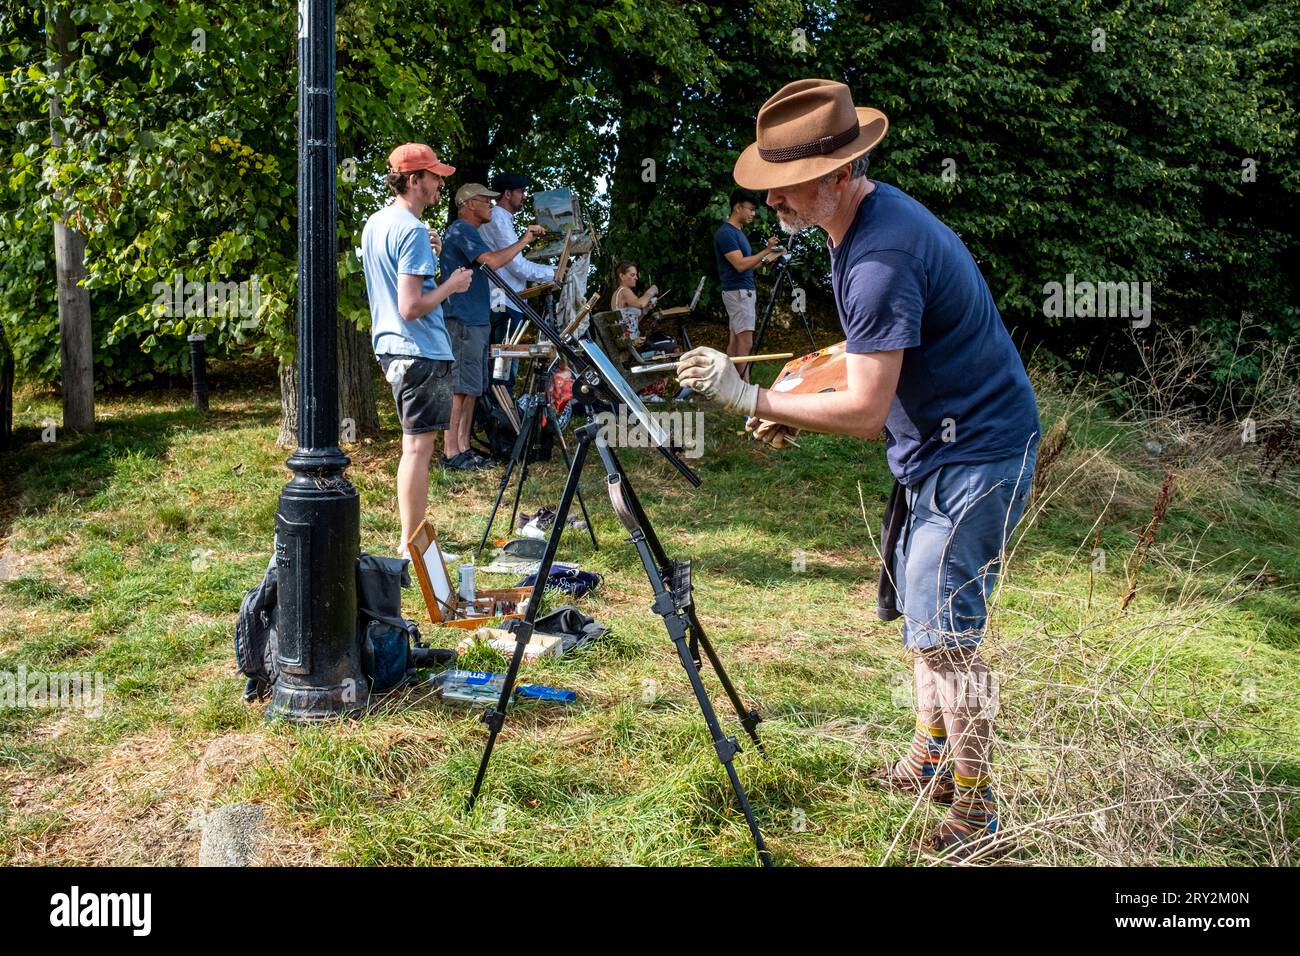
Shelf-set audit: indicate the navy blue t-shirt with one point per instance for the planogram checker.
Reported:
(461, 246)
(903, 280)
(726, 239)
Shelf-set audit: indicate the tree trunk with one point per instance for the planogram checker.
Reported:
(358, 416)
(75, 347)
(288, 437)
(635, 182)
(6, 391)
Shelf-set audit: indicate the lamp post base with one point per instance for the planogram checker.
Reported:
(317, 540)
(305, 703)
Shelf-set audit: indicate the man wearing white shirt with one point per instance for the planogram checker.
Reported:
(498, 233)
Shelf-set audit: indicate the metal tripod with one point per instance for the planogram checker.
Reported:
(670, 581)
(781, 273)
(536, 411)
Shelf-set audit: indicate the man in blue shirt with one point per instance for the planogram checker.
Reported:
(468, 313)
(406, 324)
(929, 362)
(736, 266)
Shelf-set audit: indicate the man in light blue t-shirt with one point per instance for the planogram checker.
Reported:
(928, 361)
(406, 324)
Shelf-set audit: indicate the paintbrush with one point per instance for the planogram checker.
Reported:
(735, 360)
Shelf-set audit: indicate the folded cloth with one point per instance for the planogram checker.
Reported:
(574, 628)
(573, 581)
(511, 564)
(521, 556)
(514, 564)
(524, 548)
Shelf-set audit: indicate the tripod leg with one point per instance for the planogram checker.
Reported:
(530, 438)
(749, 717)
(726, 747)
(757, 346)
(564, 450)
(505, 481)
(677, 620)
(495, 717)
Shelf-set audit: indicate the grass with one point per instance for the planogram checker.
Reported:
(1164, 734)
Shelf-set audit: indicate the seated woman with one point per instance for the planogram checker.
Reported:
(627, 302)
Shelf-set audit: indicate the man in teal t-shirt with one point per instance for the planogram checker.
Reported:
(469, 318)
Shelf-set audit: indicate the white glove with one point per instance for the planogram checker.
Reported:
(711, 373)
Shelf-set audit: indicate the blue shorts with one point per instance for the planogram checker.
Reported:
(948, 554)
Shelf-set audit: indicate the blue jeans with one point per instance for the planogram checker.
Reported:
(948, 555)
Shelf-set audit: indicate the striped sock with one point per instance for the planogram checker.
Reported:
(973, 809)
(926, 757)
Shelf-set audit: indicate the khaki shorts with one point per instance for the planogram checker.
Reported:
(741, 313)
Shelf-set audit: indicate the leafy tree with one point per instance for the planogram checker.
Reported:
(1105, 141)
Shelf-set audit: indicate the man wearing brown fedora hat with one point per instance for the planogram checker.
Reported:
(930, 363)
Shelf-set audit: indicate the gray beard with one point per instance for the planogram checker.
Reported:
(820, 211)
(794, 225)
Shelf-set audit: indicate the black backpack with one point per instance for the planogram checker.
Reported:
(386, 637)
(256, 643)
(492, 426)
(390, 644)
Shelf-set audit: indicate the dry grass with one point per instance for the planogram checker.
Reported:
(1164, 734)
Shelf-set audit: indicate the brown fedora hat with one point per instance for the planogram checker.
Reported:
(807, 129)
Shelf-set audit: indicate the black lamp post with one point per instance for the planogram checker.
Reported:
(318, 524)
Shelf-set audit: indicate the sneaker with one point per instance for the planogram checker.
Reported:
(955, 842)
(480, 461)
(540, 522)
(461, 462)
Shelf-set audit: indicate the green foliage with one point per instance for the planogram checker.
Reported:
(1117, 164)
(1111, 161)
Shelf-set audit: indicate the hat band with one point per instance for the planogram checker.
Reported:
(818, 147)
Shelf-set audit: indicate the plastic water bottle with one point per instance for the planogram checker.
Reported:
(466, 584)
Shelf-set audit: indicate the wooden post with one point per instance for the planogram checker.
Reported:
(75, 346)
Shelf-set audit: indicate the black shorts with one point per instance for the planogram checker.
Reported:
(423, 396)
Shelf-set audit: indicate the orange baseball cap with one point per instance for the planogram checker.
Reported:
(409, 157)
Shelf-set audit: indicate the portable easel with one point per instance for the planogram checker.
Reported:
(446, 607)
